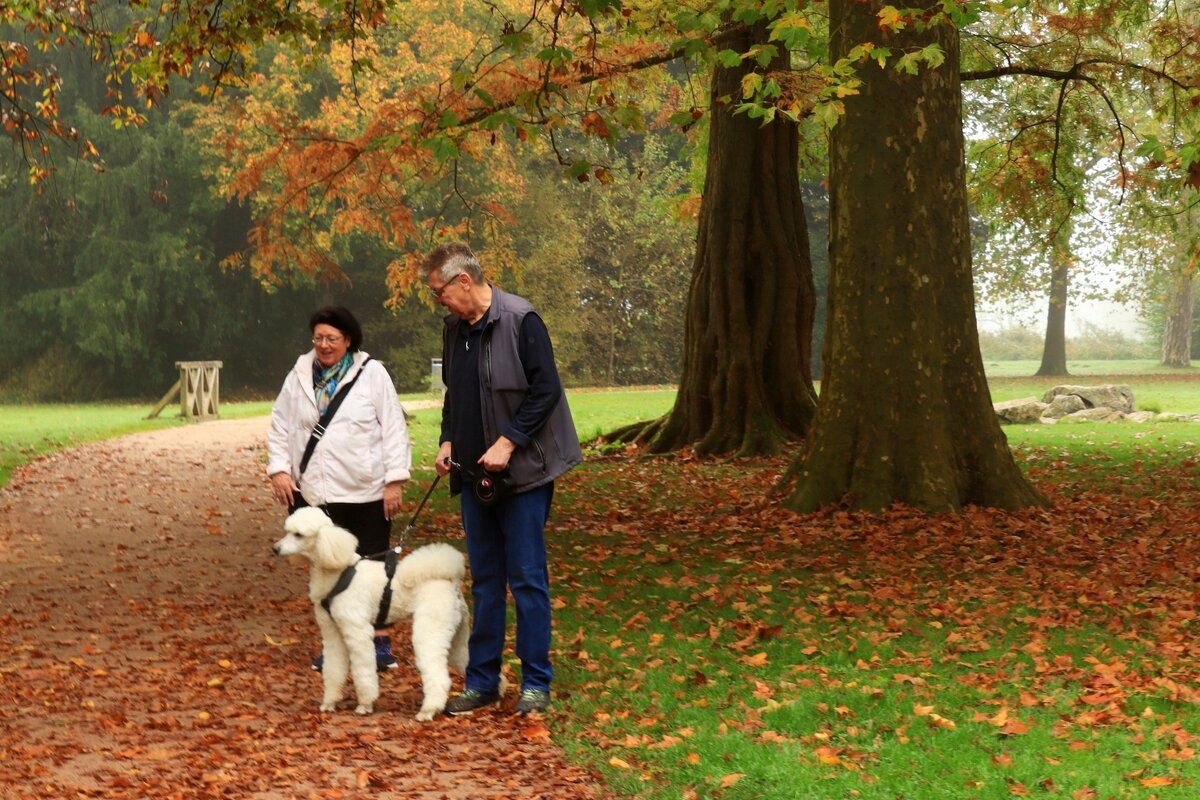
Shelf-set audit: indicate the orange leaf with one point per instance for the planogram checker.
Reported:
(731, 779)
(535, 733)
(1014, 727)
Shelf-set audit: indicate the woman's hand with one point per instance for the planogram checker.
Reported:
(283, 488)
(393, 496)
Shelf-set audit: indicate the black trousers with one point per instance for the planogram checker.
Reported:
(365, 520)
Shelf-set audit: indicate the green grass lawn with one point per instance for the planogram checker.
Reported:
(29, 431)
(1018, 369)
(1155, 388)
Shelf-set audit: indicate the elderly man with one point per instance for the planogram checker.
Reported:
(508, 434)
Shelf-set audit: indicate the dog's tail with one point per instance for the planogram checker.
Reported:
(438, 561)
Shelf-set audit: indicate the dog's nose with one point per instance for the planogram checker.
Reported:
(275, 547)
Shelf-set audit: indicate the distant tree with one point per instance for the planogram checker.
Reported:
(1062, 261)
(608, 266)
(1177, 334)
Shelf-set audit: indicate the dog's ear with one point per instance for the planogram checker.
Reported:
(335, 548)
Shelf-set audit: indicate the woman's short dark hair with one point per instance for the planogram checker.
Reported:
(340, 318)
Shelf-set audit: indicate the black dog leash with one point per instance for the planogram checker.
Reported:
(413, 520)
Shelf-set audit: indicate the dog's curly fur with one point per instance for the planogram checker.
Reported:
(427, 587)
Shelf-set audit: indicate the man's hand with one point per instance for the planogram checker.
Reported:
(497, 456)
(441, 463)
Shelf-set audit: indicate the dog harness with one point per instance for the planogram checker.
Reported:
(390, 559)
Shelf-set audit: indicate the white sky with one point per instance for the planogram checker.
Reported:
(1102, 313)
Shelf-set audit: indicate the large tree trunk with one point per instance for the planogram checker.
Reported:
(905, 414)
(1177, 334)
(746, 382)
(1054, 347)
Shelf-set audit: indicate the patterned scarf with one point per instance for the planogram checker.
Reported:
(327, 381)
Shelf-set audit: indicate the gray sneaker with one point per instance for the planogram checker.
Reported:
(471, 700)
(532, 700)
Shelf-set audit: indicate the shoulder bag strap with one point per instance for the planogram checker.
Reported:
(323, 423)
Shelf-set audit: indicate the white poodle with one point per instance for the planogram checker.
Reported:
(427, 587)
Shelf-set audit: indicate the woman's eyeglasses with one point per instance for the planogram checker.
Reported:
(327, 339)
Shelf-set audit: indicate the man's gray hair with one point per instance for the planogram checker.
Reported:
(451, 260)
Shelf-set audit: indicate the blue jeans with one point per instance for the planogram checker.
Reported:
(506, 548)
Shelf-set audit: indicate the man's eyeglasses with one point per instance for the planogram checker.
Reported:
(439, 291)
(327, 339)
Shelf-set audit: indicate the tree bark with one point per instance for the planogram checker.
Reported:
(905, 413)
(746, 380)
(1177, 333)
(1054, 347)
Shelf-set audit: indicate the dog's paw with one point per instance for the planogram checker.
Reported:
(364, 709)
(327, 707)
(426, 714)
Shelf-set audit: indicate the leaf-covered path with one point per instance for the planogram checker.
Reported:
(154, 647)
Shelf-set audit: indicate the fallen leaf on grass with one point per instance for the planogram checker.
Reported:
(938, 721)
(757, 660)
(1014, 727)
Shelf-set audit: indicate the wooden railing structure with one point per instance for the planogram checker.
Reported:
(198, 389)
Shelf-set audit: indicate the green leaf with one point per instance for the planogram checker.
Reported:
(765, 54)
(729, 58)
(555, 54)
(934, 55)
(517, 42)
(682, 119)
(448, 119)
(629, 117)
(751, 84)
(596, 8)
(1152, 149)
(579, 169)
(498, 120)
(828, 113)
(747, 15)
(484, 96)
(444, 148)
(909, 63)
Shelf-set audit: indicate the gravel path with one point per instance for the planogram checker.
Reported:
(154, 647)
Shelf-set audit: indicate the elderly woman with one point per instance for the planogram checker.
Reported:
(356, 472)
